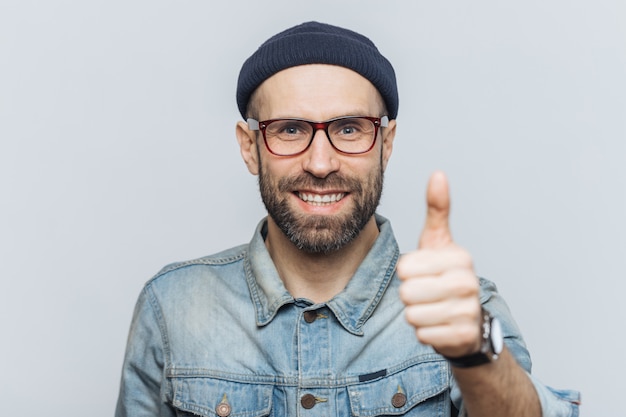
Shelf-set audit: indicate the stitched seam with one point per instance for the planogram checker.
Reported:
(209, 261)
(390, 271)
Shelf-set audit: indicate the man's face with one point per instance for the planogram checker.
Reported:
(320, 199)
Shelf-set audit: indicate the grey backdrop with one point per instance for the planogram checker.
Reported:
(117, 156)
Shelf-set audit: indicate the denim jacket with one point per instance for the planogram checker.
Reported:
(221, 336)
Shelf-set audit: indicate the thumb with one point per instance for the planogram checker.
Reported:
(436, 233)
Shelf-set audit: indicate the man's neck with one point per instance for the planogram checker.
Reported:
(317, 276)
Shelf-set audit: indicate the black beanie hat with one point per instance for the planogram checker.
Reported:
(318, 43)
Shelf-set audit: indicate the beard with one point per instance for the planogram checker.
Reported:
(321, 233)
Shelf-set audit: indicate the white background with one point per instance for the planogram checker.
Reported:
(117, 156)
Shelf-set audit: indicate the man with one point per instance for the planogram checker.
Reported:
(318, 314)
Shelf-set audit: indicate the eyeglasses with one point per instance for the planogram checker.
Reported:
(350, 135)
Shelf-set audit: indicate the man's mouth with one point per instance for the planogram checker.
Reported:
(320, 199)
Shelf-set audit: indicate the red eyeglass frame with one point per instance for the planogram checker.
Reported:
(378, 122)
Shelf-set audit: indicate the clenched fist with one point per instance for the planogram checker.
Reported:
(439, 288)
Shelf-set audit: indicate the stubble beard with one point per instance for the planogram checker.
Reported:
(321, 233)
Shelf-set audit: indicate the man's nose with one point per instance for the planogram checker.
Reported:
(321, 158)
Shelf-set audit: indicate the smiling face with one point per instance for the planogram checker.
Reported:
(320, 199)
(321, 215)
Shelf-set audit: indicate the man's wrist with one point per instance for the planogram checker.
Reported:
(491, 346)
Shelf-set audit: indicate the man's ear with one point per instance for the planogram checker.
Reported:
(388, 134)
(247, 146)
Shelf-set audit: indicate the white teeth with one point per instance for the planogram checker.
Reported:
(318, 200)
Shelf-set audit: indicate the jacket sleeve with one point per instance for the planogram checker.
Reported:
(554, 403)
(143, 388)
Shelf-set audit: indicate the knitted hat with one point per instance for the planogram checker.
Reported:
(318, 43)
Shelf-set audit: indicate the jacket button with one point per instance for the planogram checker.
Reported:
(310, 316)
(398, 400)
(223, 409)
(308, 401)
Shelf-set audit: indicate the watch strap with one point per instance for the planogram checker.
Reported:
(468, 361)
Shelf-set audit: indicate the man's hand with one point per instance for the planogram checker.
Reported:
(440, 289)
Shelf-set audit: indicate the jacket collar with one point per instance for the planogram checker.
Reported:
(352, 307)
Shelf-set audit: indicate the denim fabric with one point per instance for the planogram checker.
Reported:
(224, 330)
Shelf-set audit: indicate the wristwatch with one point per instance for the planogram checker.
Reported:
(490, 348)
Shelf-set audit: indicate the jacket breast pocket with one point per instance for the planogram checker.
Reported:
(420, 390)
(212, 397)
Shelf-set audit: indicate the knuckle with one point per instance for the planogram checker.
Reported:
(402, 267)
(410, 315)
(404, 293)
(469, 285)
(463, 284)
(467, 335)
(423, 335)
(466, 313)
(409, 264)
(465, 259)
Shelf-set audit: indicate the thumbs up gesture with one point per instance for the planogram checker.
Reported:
(440, 289)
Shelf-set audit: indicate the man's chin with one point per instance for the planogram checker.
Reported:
(322, 235)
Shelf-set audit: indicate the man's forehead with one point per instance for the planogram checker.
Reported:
(317, 88)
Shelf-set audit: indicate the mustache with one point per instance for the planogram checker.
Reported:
(332, 181)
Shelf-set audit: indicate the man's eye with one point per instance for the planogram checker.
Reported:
(349, 130)
(291, 130)
(288, 130)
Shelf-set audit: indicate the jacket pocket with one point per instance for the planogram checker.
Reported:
(420, 390)
(212, 397)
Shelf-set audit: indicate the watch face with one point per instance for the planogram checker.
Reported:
(497, 339)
